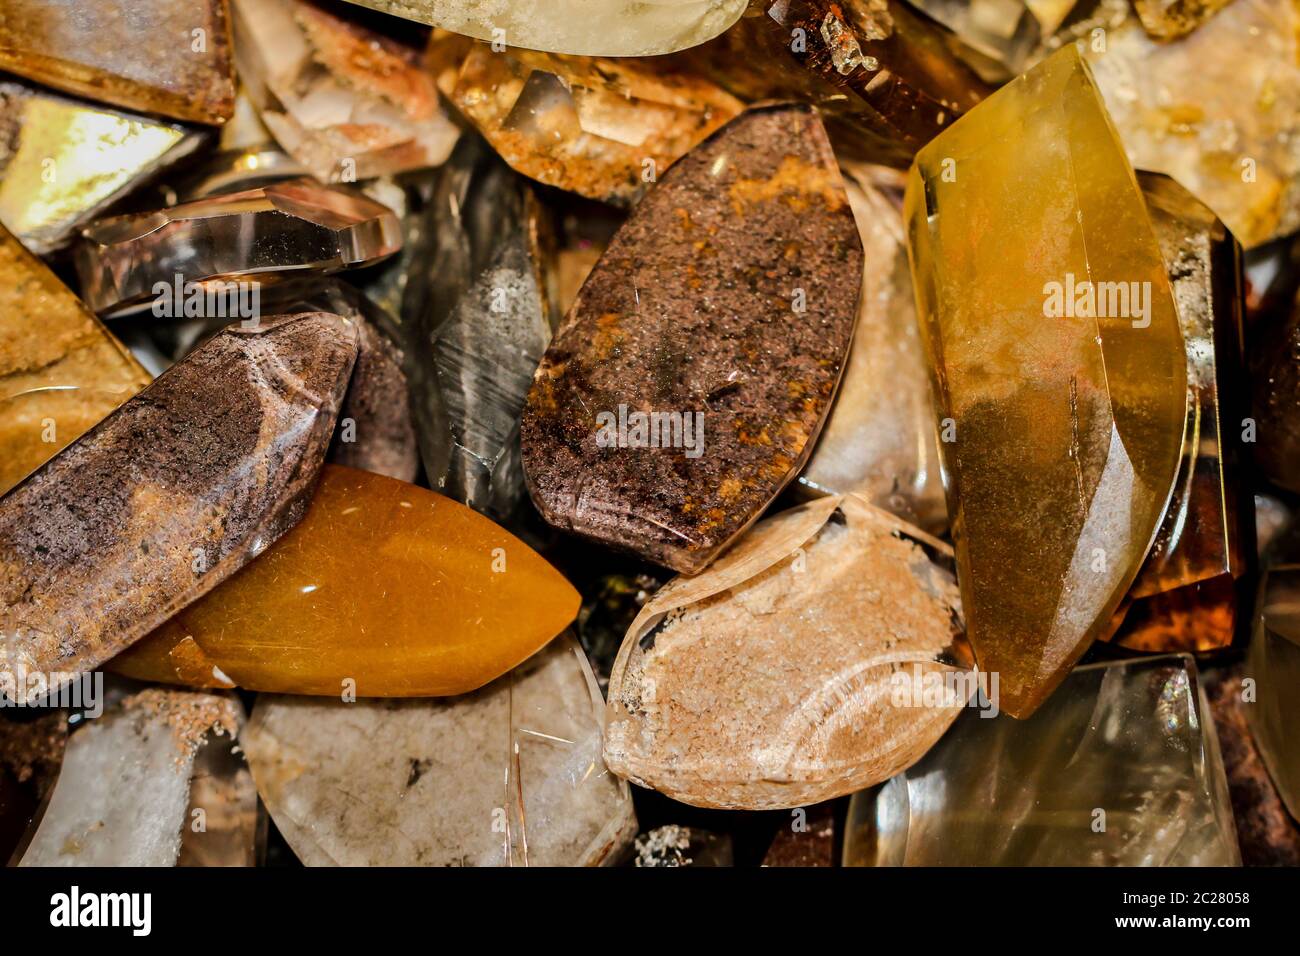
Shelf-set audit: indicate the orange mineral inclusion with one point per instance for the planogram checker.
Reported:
(398, 589)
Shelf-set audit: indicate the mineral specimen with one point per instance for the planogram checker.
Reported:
(1120, 768)
(382, 590)
(1171, 19)
(689, 381)
(599, 127)
(1060, 371)
(1275, 367)
(1274, 665)
(586, 27)
(508, 776)
(880, 439)
(60, 370)
(1003, 31)
(136, 788)
(682, 846)
(124, 263)
(169, 495)
(63, 161)
(347, 103)
(803, 665)
(153, 56)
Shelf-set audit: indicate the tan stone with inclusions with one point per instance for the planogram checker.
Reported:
(61, 371)
(1067, 426)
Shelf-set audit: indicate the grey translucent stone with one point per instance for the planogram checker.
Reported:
(1120, 766)
(509, 775)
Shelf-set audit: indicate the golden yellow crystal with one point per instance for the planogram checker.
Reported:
(395, 589)
(61, 371)
(1060, 370)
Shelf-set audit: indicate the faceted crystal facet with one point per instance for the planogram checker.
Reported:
(170, 494)
(1004, 31)
(153, 56)
(294, 226)
(507, 776)
(63, 161)
(774, 678)
(383, 589)
(135, 781)
(880, 440)
(599, 127)
(61, 371)
(1274, 664)
(585, 27)
(1061, 374)
(719, 317)
(1171, 19)
(1120, 768)
(347, 103)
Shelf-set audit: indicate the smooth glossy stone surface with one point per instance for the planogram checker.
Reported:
(603, 128)
(382, 590)
(880, 440)
(61, 371)
(1067, 429)
(507, 776)
(673, 845)
(476, 321)
(346, 102)
(1218, 109)
(1186, 596)
(170, 494)
(1171, 19)
(132, 781)
(727, 300)
(152, 56)
(1121, 767)
(63, 161)
(776, 677)
(279, 229)
(1274, 664)
(586, 27)
(31, 752)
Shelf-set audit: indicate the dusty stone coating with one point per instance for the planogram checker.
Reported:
(171, 494)
(730, 292)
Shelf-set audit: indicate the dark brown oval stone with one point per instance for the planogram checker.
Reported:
(727, 299)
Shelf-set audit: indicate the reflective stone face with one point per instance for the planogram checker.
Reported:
(383, 589)
(1060, 370)
(152, 56)
(1120, 767)
(508, 776)
(1274, 664)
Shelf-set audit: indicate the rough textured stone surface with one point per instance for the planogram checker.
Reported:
(727, 299)
(1171, 19)
(508, 776)
(807, 840)
(170, 494)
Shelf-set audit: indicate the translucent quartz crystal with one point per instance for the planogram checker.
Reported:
(585, 27)
(689, 381)
(803, 665)
(383, 589)
(153, 56)
(285, 227)
(1005, 31)
(476, 322)
(31, 752)
(1065, 430)
(674, 845)
(602, 128)
(1218, 110)
(1170, 19)
(1120, 768)
(1274, 664)
(880, 439)
(1187, 594)
(61, 371)
(170, 494)
(63, 161)
(346, 102)
(507, 776)
(137, 783)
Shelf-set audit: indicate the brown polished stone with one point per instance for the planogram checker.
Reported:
(169, 495)
(727, 300)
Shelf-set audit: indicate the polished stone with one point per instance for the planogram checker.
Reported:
(150, 56)
(803, 665)
(507, 776)
(1121, 767)
(1064, 428)
(1005, 32)
(724, 306)
(382, 590)
(171, 494)
(1274, 665)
